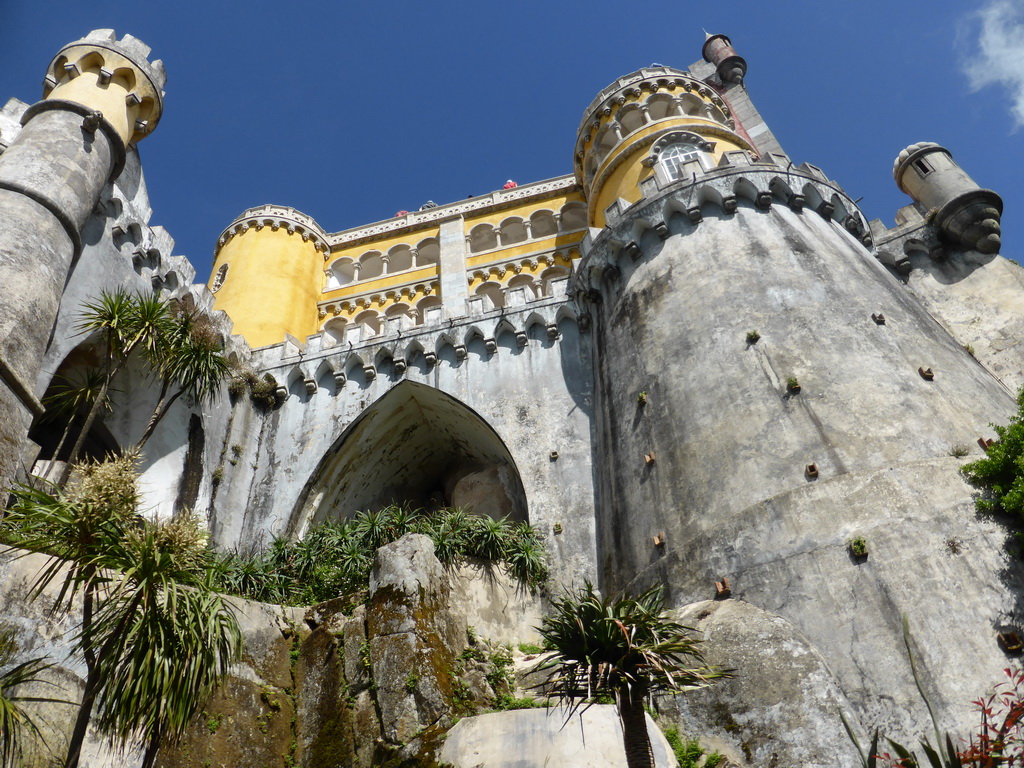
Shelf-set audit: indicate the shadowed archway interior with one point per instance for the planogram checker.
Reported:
(418, 446)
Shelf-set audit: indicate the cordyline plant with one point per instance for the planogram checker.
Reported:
(155, 637)
(626, 647)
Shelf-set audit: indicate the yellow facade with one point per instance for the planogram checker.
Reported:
(271, 284)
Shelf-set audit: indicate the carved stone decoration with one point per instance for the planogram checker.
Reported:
(280, 393)
(632, 250)
(694, 215)
(521, 339)
(460, 352)
(370, 372)
(310, 385)
(729, 204)
(400, 365)
(826, 209)
(430, 358)
(490, 345)
(661, 230)
(764, 200)
(552, 330)
(340, 378)
(584, 322)
(796, 202)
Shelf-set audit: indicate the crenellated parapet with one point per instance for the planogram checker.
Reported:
(401, 349)
(113, 77)
(679, 206)
(276, 217)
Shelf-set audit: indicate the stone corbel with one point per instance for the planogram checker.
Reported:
(661, 230)
(460, 352)
(729, 204)
(400, 365)
(796, 202)
(632, 250)
(104, 76)
(552, 330)
(340, 378)
(763, 201)
(310, 386)
(491, 346)
(430, 358)
(694, 215)
(370, 372)
(521, 339)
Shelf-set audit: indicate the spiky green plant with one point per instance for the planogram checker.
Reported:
(15, 720)
(626, 647)
(154, 637)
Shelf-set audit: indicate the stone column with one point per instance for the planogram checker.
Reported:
(99, 94)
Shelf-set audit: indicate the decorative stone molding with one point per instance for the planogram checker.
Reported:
(276, 216)
(497, 200)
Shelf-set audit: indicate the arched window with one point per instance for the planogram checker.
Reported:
(218, 279)
(673, 159)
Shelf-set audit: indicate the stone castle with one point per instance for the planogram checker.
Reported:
(689, 361)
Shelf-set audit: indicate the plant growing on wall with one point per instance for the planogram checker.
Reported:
(1000, 474)
(626, 647)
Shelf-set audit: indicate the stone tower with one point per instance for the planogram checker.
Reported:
(99, 94)
(766, 391)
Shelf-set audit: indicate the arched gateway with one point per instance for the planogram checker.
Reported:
(419, 446)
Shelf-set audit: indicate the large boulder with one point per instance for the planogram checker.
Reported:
(524, 738)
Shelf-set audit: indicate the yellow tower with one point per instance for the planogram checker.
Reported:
(268, 273)
(658, 120)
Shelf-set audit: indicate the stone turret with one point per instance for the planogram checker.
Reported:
(268, 273)
(729, 65)
(100, 93)
(965, 215)
(657, 113)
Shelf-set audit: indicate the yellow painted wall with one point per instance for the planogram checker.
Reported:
(624, 180)
(272, 285)
(109, 99)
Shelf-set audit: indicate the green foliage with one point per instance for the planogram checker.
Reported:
(504, 701)
(14, 719)
(530, 649)
(411, 681)
(792, 384)
(606, 644)
(155, 638)
(753, 337)
(1000, 475)
(958, 450)
(858, 546)
(334, 558)
(689, 753)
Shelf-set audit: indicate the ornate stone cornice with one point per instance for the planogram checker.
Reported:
(497, 200)
(276, 217)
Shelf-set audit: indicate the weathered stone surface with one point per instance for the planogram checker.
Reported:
(356, 650)
(270, 633)
(324, 715)
(782, 708)
(497, 606)
(414, 637)
(525, 738)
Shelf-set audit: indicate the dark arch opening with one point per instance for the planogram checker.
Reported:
(419, 446)
(48, 430)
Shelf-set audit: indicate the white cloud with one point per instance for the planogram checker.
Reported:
(999, 58)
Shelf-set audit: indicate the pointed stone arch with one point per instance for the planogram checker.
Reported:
(414, 445)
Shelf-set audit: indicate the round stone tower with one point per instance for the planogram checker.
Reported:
(100, 93)
(268, 272)
(965, 215)
(766, 393)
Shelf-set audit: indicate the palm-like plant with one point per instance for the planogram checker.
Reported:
(188, 357)
(14, 719)
(626, 647)
(126, 323)
(154, 636)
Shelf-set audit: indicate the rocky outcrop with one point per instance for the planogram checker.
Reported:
(538, 737)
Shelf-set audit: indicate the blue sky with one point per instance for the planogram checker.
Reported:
(350, 112)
